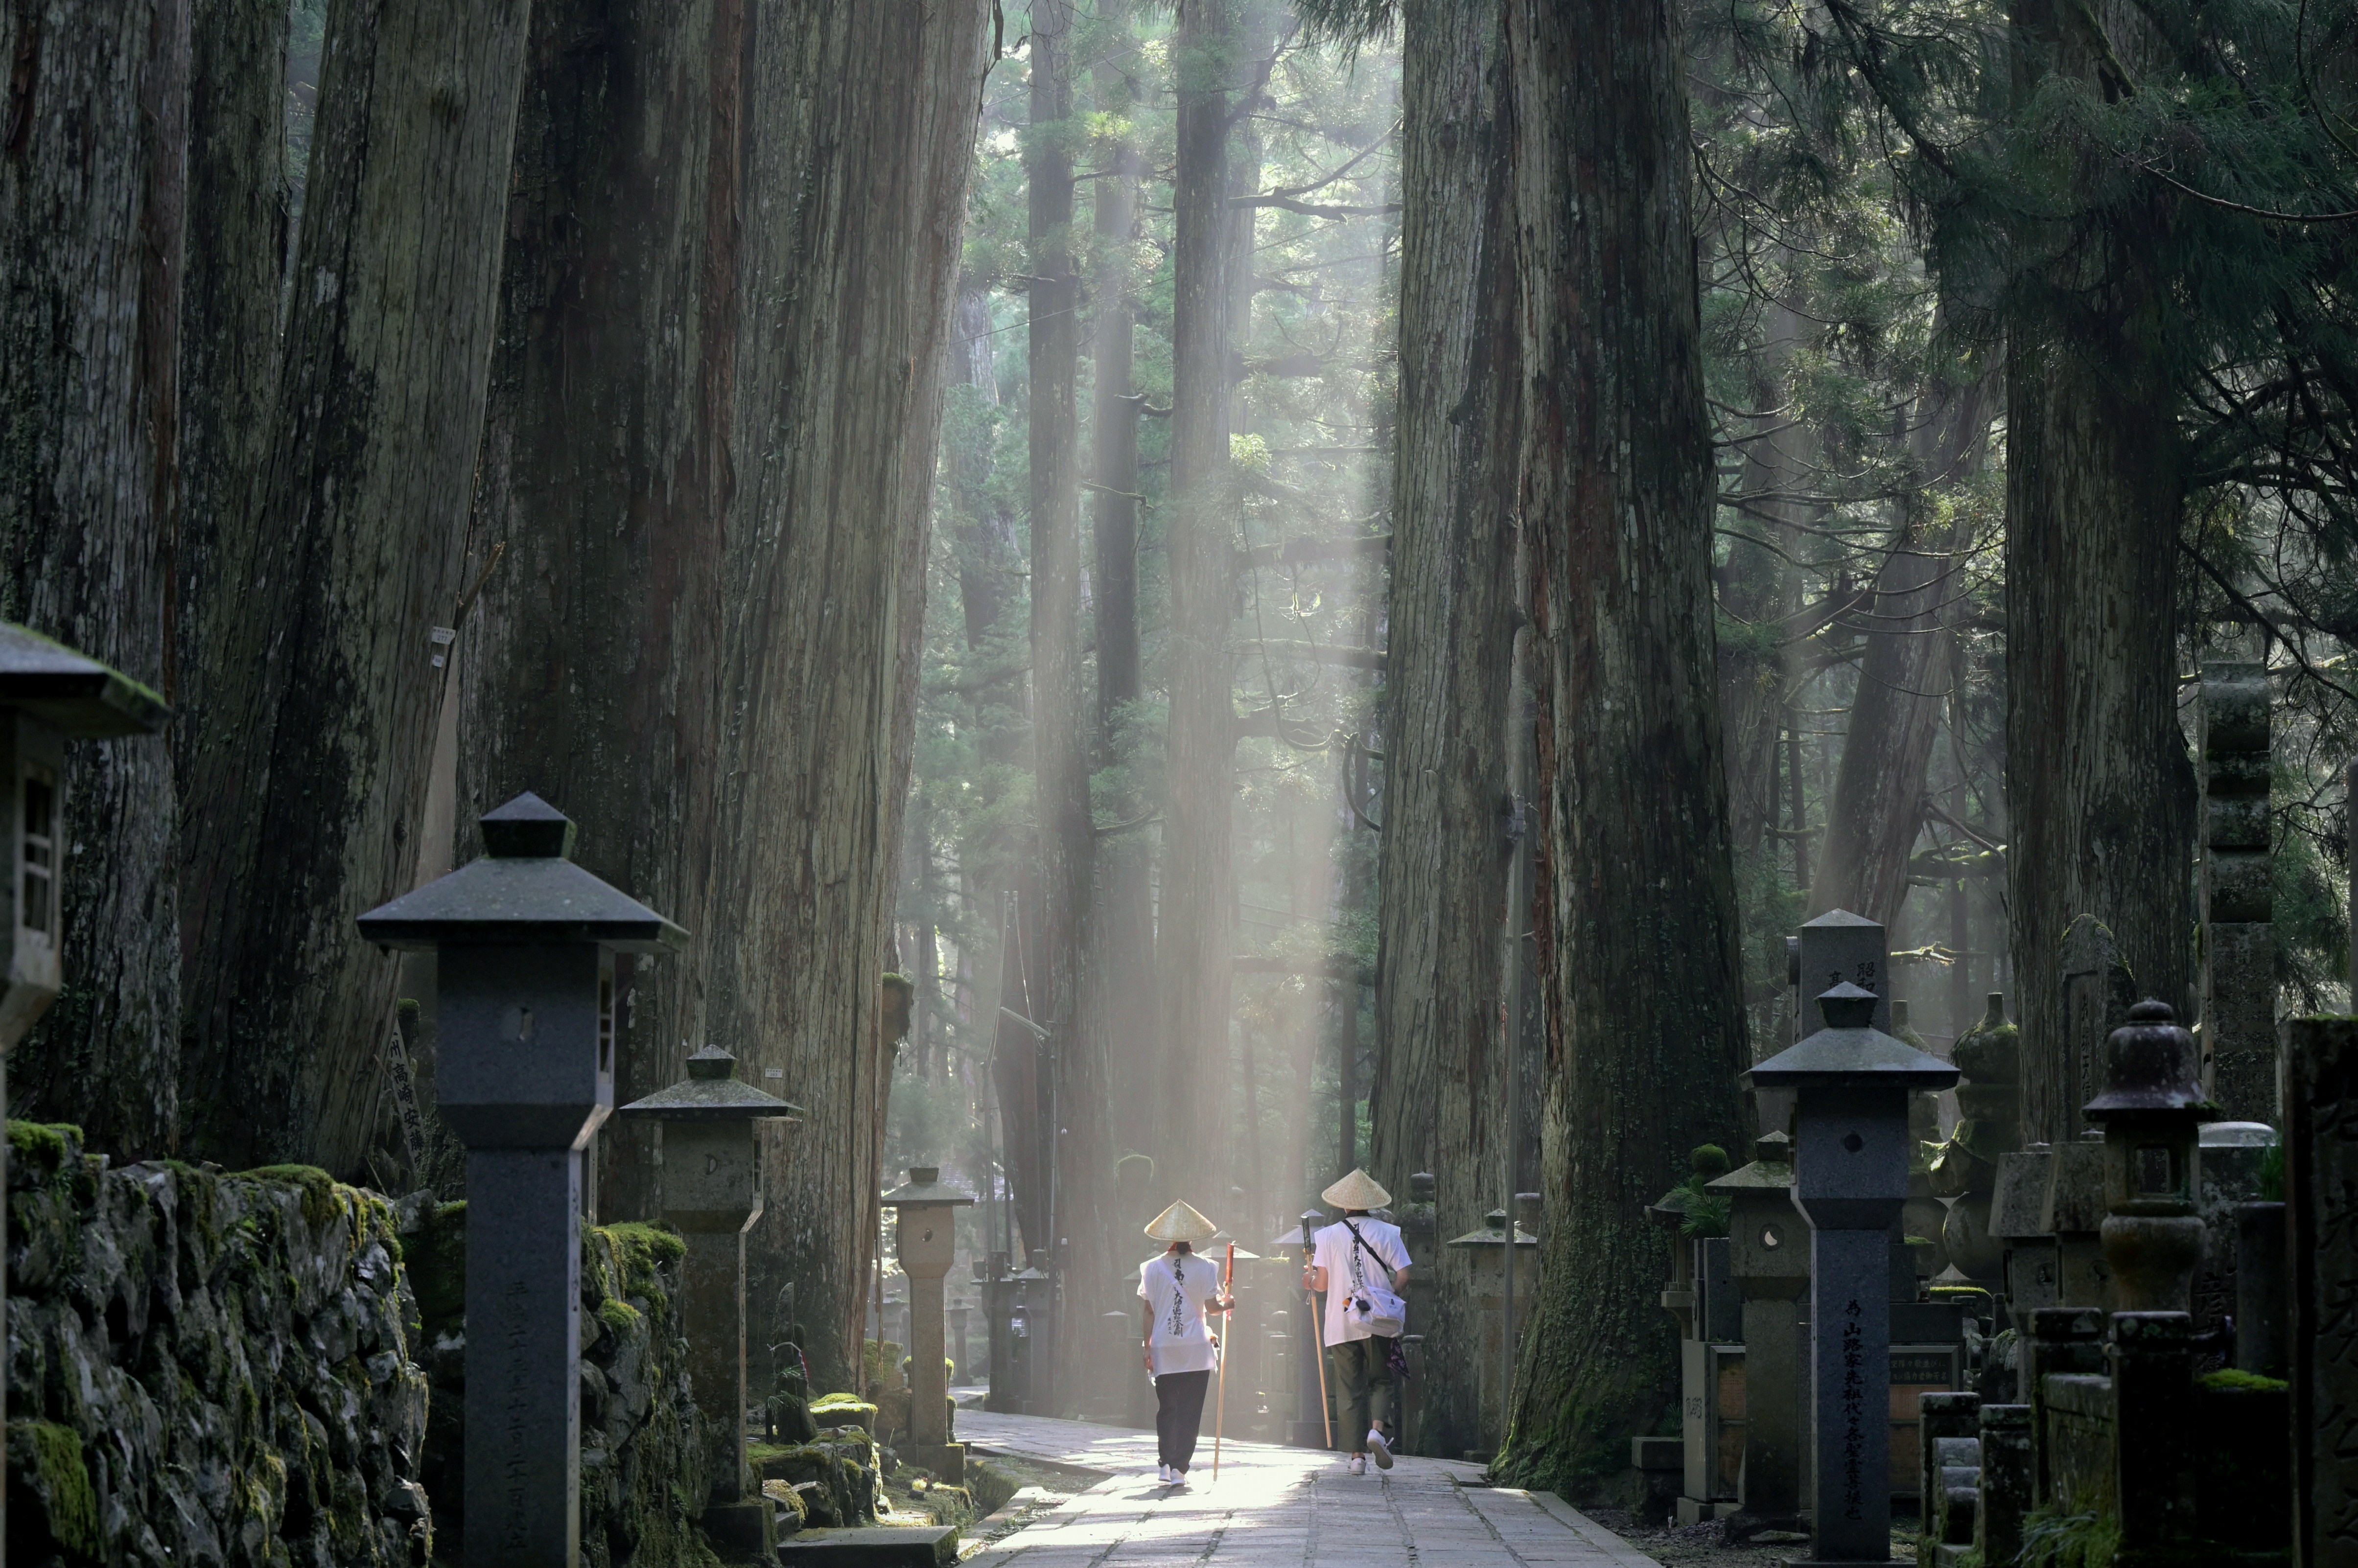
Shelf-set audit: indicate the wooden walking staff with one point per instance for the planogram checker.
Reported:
(1317, 1324)
(1220, 1405)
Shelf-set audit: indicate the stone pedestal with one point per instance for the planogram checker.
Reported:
(1841, 948)
(2005, 1492)
(2066, 1340)
(2320, 1177)
(526, 942)
(1951, 1426)
(2261, 1343)
(2154, 1437)
(1770, 1265)
(2074, 1214)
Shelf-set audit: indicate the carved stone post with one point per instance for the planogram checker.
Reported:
(1850, 1178)
(712, 1195)
(2321, 1175)
(526, 942)
(928, 1241)
(2238, 893)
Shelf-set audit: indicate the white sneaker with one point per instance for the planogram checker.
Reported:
(1379, 1448)
(1162, 1474)
(1359, 1464)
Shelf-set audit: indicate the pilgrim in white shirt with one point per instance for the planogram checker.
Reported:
(1349, 1267)
(1178, 1285)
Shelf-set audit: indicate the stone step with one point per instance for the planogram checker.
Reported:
(872, 1546)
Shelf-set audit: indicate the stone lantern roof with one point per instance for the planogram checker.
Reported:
(712, 1092)
(926, 1189)
(525, 888)
(1771, 1168)
(1493, 1233)
(73, 692)
(1851, 1052)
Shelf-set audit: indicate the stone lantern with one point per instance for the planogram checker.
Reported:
(526, 942)
(1308, 1427)
(1769, 1260)
(1486, 1284)
(1851, 1084)
(712, 1195)
(2152, 1111)
(1026, 1312)
(928, 1208)
(49, 695)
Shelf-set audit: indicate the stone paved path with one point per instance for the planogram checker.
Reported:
(1277, 1507)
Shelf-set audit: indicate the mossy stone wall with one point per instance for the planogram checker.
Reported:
(207, 1368)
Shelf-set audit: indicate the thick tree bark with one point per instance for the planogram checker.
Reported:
(1444, 853)
(229, 329)
(92, 198)
(860, 135)
(1195, 937)
(607, 474)
(1063, 715)
(2099, 786)
(310, 779)
(1878, 809)
(1125, 915)
(1635, 895)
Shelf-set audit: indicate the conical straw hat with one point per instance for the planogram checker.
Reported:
(1357, 1190)
(1180, 1222)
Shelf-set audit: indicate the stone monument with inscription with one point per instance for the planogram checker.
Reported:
(711, 1183)
(525, 941)
(2238, 893)
(1851, 1082)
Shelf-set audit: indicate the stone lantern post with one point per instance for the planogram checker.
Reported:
(49, 695)
(1851, 1082)
(712, 1195)
(526, 942)
(928, 1208)
(2152, 1111)
(1488, 1285)
(1768, 1258)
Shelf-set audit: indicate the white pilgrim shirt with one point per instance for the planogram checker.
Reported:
(1176, 1285)
(1348, 1267)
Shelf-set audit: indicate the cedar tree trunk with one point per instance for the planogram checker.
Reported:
(309, 781)
(1445, 851)
(92, 195)
(860, 129)
(1645, 1023)
(591, 672)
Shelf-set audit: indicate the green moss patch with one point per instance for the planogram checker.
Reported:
(321, 1206)
(2230, 1380)
(48, 1481)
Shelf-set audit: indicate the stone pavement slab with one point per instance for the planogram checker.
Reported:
(1273, 1507)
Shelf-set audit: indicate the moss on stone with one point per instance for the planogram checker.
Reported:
(2234, 1380)
(51, 1454)
(42, 1146)
(620, 1316)
(318, 1188)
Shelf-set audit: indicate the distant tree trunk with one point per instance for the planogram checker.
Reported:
(1635, 895)
(1878, 809)
(1195, 935)
(309, 782)
(861, 136)
(1125, 915)
(92, 199)
(1063, 718)
(607, 473)
(1443, 856)
(2099, 789)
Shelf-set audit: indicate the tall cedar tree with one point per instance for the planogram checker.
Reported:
(308, 784)
(591, 674)
(859, 142)
(1442, 885)
(1063, 711)
(1196, 931)
(92, 199)
(1125, 916)
(1637, 917)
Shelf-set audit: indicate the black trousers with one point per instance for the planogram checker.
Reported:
(1178, 1415)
